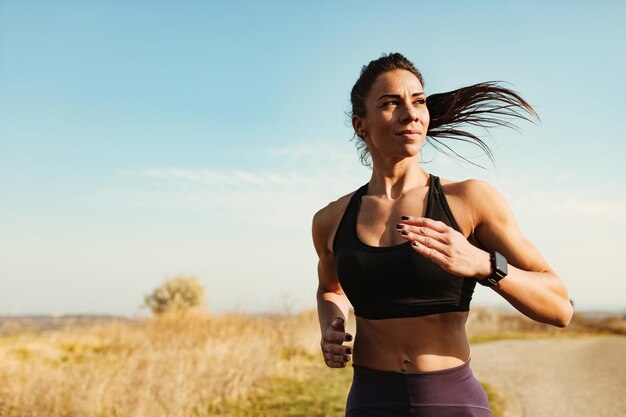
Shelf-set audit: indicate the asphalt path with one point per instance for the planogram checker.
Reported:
(556, 377)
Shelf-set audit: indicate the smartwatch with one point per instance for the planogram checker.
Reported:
(499, 270)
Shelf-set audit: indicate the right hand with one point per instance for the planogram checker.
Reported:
(335, 354)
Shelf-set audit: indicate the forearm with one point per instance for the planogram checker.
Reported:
(331, 305)
(538, 295)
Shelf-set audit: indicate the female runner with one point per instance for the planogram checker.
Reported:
(407, 249)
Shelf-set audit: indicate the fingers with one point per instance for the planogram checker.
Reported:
(429, 252)
(338, 324)
(336, 361)
(335, 354)
(442, 244)
(337, 350)
(336, 364)
(335, 333)
(337, 337)
(424, 239)
(428, 237)
(435, 225)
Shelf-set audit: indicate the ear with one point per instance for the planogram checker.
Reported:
(359, 126)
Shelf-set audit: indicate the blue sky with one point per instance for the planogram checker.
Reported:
(141, 140)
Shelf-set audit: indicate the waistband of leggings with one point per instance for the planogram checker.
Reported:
(462, 367)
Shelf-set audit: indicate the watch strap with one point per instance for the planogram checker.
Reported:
(499, 270)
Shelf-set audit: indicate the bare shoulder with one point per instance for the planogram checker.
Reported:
(469, 188)
(325, 223)
(475, 202)
(477, 196)
(494, 225)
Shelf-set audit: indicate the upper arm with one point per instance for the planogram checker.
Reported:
(326, 268)
(496, 228)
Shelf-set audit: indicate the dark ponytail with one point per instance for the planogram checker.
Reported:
(483, 105)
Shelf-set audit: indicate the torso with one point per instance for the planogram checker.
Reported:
(425, 343)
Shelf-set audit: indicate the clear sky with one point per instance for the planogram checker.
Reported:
(141, 140)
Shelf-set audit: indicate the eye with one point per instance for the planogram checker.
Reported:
(390, 103)
(420, 101)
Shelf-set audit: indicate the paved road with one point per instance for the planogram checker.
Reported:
(556, 377)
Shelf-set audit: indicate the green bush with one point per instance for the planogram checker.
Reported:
(180, 293)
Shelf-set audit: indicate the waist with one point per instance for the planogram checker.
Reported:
(463, 368)
(413, 344)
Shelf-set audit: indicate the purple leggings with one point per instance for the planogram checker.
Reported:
(453, 392)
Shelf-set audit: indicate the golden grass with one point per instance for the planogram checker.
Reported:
(496, 401)
(171, 366)
(195, 365)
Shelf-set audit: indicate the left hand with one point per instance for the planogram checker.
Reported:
(445, 246)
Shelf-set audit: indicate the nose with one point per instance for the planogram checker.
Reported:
(410, 113)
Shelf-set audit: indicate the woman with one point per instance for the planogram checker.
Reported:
(407, 249)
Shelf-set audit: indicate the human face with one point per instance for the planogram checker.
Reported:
(396, 117)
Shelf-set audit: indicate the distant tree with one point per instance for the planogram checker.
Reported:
(180, 293)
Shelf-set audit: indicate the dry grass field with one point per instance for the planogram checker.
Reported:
(177, 365)
(198, 365)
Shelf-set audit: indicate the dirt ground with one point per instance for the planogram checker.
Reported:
(556, 377)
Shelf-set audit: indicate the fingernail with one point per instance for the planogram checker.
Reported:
(348, 351)
(348, 337)
(405, 217)
(399, 226)
(414, 243)
(404, 232)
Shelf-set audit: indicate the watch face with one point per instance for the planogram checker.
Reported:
(500, 264)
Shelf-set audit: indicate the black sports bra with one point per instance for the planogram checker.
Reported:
(385, 282)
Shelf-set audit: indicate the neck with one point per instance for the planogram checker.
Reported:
(392, 178)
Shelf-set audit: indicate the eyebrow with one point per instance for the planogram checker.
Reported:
(421, 93)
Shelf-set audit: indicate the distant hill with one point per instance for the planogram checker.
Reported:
(481, 321)
(33, 324)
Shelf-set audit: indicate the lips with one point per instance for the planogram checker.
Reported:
(409, 133)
